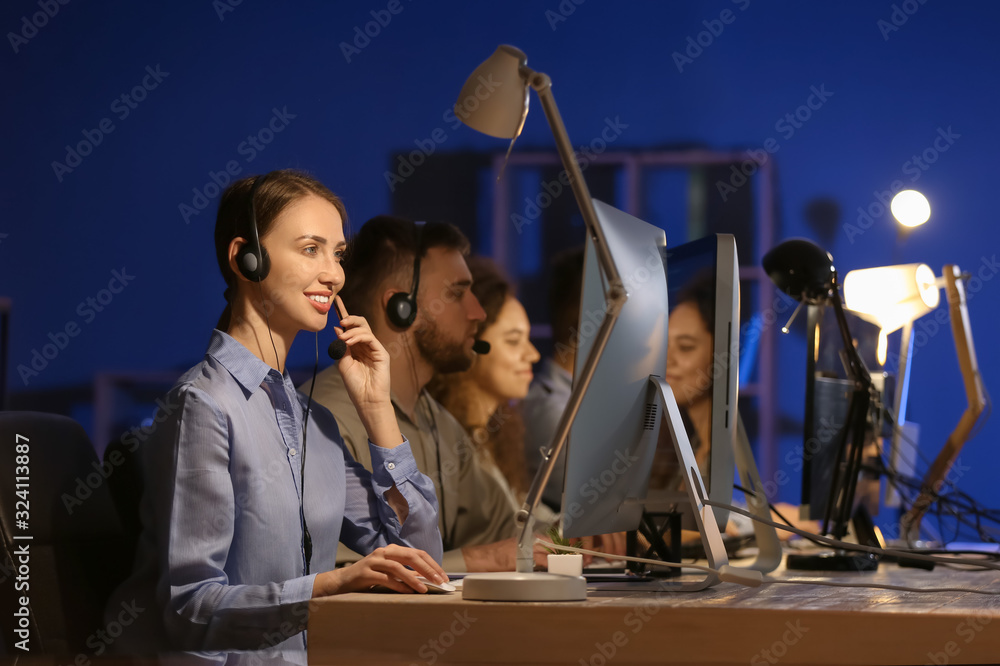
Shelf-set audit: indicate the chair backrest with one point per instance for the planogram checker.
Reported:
(63, 550)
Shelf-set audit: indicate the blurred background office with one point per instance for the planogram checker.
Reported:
(123, 122)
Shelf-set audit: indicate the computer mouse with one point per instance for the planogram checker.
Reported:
(437, 588)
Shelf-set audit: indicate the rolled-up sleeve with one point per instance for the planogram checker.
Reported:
(369, 520)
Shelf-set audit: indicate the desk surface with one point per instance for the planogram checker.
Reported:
(727, 624)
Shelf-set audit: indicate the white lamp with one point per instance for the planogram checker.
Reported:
(494, 100)
(893, 297)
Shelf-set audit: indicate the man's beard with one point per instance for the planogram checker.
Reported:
(444, 355)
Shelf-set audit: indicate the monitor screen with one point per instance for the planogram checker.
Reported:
(610, 447)
(612, 451)
(703, 361)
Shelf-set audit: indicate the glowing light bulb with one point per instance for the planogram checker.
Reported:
(883, 346)
(910, 208)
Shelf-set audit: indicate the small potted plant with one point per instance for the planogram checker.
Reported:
(569, 564)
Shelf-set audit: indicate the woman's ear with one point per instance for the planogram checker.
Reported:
(235, 246)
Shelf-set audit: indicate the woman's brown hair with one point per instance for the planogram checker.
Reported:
(279, 190)
(502, 436)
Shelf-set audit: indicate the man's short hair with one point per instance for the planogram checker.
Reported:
(565, 290)
(386, 246)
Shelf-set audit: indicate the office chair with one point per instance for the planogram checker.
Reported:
(76, 553)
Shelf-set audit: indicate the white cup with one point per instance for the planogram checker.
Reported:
(569, 564)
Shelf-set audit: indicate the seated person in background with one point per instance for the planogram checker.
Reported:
(690, 372)
(550, 391)
(482, 398)
(225, 559)
(690, 354)
(425, 266)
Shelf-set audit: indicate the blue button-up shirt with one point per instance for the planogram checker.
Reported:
(221, 563)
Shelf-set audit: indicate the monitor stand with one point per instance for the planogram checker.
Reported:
(769, 547)
(711, 540)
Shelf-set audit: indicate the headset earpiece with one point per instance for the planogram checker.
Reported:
(252, 259)
(401, 310)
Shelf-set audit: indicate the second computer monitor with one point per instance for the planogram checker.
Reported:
(703, 354)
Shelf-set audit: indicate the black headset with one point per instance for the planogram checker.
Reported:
(402, 306)
(252, 258)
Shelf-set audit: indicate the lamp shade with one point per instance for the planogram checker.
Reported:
(892, 296)
(801, 269)
(494, 99)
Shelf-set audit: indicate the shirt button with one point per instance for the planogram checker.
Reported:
(291, 452)
(391, 466)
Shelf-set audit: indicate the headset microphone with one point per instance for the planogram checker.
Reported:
(481, 347)
(337, 349)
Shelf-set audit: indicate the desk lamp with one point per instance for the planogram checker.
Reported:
(804, 271)
(494, 100)
(897, 295)
(893, 297)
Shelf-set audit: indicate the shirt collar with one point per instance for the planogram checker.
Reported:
(245, 368)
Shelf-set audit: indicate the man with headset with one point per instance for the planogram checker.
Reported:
(411, 282)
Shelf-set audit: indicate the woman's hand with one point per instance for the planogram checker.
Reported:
(385, 566)
(365, 369)
(365, 366)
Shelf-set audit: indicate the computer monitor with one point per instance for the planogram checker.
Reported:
(704, 292)
(611, 446)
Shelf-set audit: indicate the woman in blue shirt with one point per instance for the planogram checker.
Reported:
(235, 541)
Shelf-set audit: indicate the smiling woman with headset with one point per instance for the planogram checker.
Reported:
(238, 533)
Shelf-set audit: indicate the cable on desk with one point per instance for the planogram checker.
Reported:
(836, 543)
(879, 586)
(751, 578)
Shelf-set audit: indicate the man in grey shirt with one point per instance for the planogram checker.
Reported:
(412, 285)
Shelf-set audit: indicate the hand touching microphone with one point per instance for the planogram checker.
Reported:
(364, 365)
(337, 349)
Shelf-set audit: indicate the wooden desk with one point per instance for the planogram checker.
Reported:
(728, 624)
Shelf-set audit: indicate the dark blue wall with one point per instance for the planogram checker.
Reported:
(225, 73)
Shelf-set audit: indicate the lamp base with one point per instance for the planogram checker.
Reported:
(514, 586)
(838, 561)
